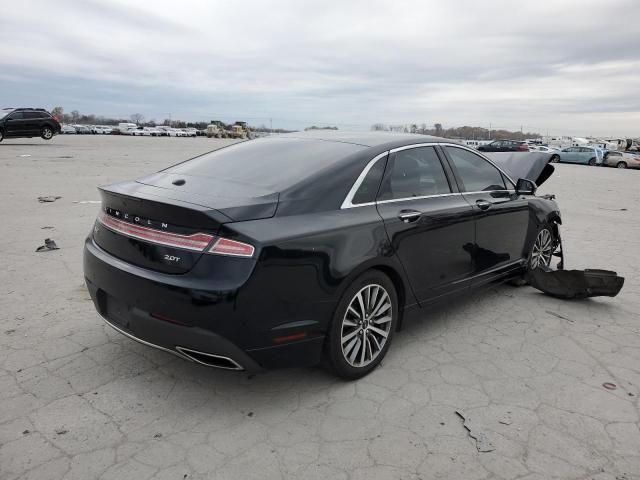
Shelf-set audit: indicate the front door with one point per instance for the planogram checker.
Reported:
(501, 217)
(14, 125)
(429, 224)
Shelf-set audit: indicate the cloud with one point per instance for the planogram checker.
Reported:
(556, 66)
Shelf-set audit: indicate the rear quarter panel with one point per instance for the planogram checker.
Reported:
(307, 261)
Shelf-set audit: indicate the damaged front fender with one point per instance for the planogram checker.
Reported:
(573, 284)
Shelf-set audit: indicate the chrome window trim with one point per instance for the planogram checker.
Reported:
(352, 193)
(348, 201)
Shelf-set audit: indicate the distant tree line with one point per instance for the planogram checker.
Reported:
(313, 127)
(75, 117)
(466, 132)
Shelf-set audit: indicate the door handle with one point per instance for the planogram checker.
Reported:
(483, 204)
(408, 216)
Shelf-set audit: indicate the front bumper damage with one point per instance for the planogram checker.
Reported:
(574, 284)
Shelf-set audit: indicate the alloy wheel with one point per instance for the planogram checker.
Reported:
(47, 133)
(542, 249)
(366, 325)
(622, 165)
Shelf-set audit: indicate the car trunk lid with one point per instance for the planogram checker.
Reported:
(167, 229)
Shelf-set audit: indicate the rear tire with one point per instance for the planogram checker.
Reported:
(555, 159)
(592, 161)
(619, 165)
(363, 325)
(1, 135)
(46, 133)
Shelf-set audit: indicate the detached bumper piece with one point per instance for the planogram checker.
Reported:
(576, 284)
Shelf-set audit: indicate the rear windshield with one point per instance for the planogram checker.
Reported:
(271, 163)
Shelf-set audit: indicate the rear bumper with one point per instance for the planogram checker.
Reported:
(205, 327)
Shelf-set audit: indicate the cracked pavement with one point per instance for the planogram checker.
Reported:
(80, 401)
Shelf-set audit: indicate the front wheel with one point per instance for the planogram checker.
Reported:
(47, 133)
(363, 326)
(621, 165)
(555, 159)
(543, 248)
(592, 161)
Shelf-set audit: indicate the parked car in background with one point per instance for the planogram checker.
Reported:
(153, 131)
(67, 129)
(27, 123)
(164, 130)
(504, 146)
(103, 130)
(543, 148)
(583, 155)
(622, 159)
(190, 132)
(82, 129)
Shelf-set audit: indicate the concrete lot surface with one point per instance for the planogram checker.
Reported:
(80, 401)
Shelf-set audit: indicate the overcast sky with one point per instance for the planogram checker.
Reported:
(558, 66)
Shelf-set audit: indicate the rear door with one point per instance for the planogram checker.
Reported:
(429, 224)
(501, 217)
(32, 122)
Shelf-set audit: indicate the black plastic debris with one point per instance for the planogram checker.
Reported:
(48, 245)
(48, 198)
(576, 284)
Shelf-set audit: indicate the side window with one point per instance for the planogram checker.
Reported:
(476, 173)
(369, 187)
(16, 116)
(414, 172)
(30, 115)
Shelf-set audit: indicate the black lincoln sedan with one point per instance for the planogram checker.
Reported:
(287, 250)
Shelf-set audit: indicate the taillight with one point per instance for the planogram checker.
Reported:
(197, 242)
(224, 246)
(524, 148)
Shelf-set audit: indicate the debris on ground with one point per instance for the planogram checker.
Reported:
(46, 227)
(61, 431)
(24, 155)
(609, 386)
(48, 245)
(506, 419)
(561, 317)
(49, 198)
(87, 201)
(576, 284)
(483, 444)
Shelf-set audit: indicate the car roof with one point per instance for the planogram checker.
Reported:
(367, 139)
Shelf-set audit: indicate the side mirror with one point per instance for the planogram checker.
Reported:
(525, 187)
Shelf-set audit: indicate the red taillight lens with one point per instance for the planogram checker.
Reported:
(197, 242)
(524, 148)
(224, 246)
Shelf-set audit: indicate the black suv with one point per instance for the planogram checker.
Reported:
(28, 122)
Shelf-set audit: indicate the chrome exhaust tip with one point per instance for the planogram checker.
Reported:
(210, 359)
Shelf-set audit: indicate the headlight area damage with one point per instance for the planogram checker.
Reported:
(559, 283)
